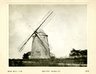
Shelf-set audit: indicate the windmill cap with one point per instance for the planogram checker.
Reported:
(42, 33)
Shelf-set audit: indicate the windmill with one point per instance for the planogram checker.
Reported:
(40, 47)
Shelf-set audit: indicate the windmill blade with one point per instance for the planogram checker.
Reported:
(43, 21)
(21, 48)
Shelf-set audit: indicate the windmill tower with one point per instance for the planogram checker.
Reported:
(40, 46)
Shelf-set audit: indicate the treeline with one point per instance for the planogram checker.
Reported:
(73, 54)
(78, 53)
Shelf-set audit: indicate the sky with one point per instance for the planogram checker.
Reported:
(66, 27)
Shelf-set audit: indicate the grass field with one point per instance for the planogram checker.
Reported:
(57, 62)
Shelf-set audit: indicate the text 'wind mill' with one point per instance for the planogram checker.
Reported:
(40, 46)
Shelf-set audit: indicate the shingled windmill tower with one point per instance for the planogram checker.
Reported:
(40, 46)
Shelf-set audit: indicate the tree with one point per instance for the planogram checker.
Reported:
(78, 53)
(26, 55)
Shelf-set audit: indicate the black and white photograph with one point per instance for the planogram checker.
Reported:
(48, 35)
